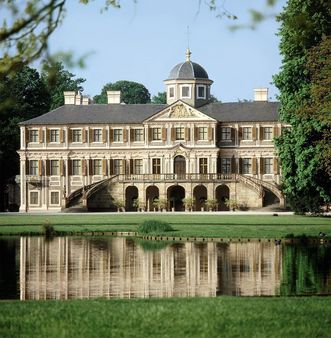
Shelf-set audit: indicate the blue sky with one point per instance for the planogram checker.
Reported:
(142, 41)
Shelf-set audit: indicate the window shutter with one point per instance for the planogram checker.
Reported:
(104, 167)
(123, 169)
(61, 135)
(196, 133)
(254, 168)
(164, 134)
(111, 167)
(61, 168)
(27, 167)
(40, 135)
(240, 165)
(233, 165)
(240, 133)
(187, 134)
(172, 134)
(47, 135)
(40, 167)
(261, 166)
(131, 135)
(104, 135)
(275, 165)
(26, 136)
(90, 164)
(125, 135)
(254, 133)
(111, 135)
(150, 133)
(69, 135)
(131, 166)
(70, 167)
(275, 131)
(83, 165)
(233, 130)
(84, 135)
(47, 167)
(261, 133)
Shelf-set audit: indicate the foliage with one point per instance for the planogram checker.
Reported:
(119, 204)
(154, 226)
(48, 230)
(211, 203)
(160, 98)
(58, 80)
(147, 245)
(306, 182)
(231, 204)
(160, 203)
(189, 202)
(131, 92)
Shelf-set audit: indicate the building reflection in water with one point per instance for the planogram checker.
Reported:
(64, 268)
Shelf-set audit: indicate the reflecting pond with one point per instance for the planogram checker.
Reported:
(88, 267)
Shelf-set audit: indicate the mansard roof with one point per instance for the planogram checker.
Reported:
(138, 113)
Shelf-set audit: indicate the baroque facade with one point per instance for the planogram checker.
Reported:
(98, 156)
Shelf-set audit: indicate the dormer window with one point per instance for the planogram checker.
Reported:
(185, 92)
(201, 92)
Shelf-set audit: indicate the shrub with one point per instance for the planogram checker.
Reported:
(48, 230)
(154, 226)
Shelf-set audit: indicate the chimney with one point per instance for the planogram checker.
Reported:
(114, 96)
(78, 100)
(69, 97)
(85, 101)
(261, 94)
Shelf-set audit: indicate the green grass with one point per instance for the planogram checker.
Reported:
(187, 317)
(208, 225)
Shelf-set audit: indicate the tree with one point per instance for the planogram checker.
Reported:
(305, 182)
(160, 98)
(131, 92)
(23, 96)
(58, 80)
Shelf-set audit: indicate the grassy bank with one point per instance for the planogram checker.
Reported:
(194, 317)
(209, 225)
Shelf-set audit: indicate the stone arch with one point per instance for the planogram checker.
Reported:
(222, 193)
(152, 193)
(180, 166)
(270, 199)
(175, 196)
(131, 194)
(200, 196)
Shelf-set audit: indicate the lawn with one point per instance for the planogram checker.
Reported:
(209, 225)
(187, 317)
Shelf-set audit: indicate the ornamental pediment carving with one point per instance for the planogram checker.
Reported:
(180, 111)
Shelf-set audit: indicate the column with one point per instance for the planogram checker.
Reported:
(23, 185)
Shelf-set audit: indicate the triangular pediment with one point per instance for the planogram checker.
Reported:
(179, 111)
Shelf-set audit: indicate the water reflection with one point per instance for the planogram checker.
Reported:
(67, 267)
(85, 268)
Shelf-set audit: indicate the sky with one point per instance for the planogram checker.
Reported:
(144, 39)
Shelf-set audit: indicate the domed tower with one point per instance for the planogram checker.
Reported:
(189, 82)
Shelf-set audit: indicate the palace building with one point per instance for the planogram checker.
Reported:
(190, 152)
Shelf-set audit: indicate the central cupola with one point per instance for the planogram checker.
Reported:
(189, 82)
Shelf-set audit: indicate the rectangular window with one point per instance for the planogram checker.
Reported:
(34, 197)
(226, 165)
(203, 165)
(55, 197)
(118, 135)
(179, 133)
(76, 167)
(33, 167)
(202, 133)
(33, 135)
(247, 133)
(186, 92)
(156, 134)
(97, 167)
(246, 165)
(54, 135)
(267, 165)
(76, 135)
(156, 166)
(201, 92)
(118, 167)
(225, 133)
(97, 135)
(171, 92)
(54, 167)
(138, 166)
(267, 133)
(138, 135)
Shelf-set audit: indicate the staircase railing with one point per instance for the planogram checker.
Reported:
(249, 181)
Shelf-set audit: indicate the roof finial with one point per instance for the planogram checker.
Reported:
(188, 52)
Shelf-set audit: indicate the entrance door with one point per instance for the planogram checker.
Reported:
(180, 166)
